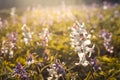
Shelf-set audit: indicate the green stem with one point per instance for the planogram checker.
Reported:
(41, 77)
(44, 68)
(98, 50)
(63, 78)
(48, 65)
(87, 78)
(54, 60)
(92, 72)
(114, 74)
(71, 68)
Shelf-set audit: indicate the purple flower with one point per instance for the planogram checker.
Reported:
(95, 64)
(107, 40)
(20, 71)
(59, 67)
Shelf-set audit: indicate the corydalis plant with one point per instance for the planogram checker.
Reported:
(44, 36)
(9, 45)
(107, 36)
(12, 37)
(27, 34)
(80, 41)
(7, 48)
(20, 71)
(56, 71)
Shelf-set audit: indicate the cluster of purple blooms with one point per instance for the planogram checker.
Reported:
(107, 40)
(20, 71)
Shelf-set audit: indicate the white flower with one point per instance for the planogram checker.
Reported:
(11, 54)
(30, 62)
(53, 74)
(86, 42)
(85, 63)
(80, 40)
(27, 34)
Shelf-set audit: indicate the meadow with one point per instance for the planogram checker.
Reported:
(60, 43)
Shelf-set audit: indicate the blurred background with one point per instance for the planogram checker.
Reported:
(26, 3)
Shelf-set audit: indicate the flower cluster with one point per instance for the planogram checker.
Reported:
(107, 40)
(20, 71)
(44, 35)
(27, 34)
(12, 37)
(56, 71)
(4, 48)
(80, 40)
(9, 44)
